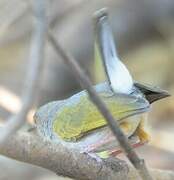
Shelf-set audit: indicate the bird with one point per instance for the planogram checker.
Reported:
(76, 122)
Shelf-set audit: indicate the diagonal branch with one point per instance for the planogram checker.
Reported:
(138, 163)
(33, 74)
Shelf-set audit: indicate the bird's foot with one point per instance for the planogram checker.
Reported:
(143, 135)
(94, 156)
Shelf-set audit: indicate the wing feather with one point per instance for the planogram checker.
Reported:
(79, 116)
(116, 72)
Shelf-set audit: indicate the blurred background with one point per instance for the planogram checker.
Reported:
(144, 35)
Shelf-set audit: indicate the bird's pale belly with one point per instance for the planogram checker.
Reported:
(104, 139)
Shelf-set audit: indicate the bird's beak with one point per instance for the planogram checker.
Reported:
(152, 93)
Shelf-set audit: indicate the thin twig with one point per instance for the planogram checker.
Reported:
(35, 67)
(138, 163)
(6, 19)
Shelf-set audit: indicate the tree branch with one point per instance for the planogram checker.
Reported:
(32, 149)
(33, 74)
(138, 163)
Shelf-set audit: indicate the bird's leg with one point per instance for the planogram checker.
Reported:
(141, 130)
(116, 152)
